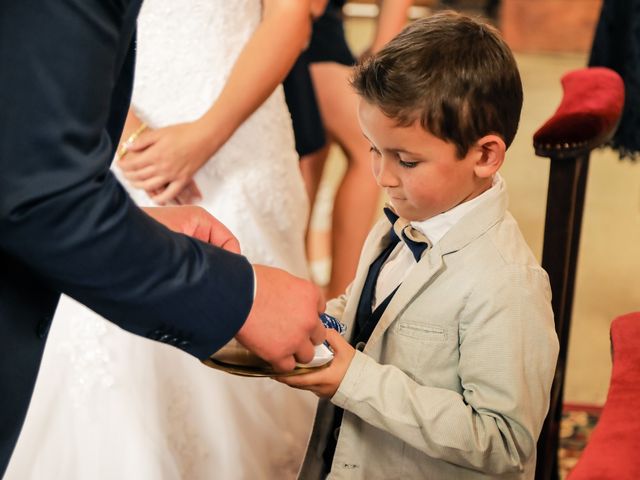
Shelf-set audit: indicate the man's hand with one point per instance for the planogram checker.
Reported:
(325, 382)
(195, 222)
(283, 325)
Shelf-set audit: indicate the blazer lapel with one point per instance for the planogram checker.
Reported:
(429, 265)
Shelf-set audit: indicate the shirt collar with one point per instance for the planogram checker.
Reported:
(435, 228)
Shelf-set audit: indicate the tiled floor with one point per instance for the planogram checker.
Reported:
(608, 282)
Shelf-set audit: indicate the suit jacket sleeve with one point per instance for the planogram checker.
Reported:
(65, 71)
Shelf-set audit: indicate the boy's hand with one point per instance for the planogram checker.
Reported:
(325, 382)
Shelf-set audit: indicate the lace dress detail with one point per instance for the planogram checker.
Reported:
(109, 405)
(87, 355)
(253, 183)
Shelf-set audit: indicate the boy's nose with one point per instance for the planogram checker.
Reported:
(384, 173)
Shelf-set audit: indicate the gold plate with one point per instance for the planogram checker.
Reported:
(247, 371)
(235, 359)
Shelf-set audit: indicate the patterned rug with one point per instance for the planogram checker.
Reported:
(577, 424)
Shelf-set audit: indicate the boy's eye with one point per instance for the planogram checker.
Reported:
(405, 164)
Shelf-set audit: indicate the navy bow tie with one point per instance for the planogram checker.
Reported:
(415, 240)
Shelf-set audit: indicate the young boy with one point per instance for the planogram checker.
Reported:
(455, 346)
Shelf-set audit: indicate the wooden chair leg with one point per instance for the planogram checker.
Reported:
(565, 202)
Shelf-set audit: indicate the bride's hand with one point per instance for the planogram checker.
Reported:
(188, 196)
(164, 161)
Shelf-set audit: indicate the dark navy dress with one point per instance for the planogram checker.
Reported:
(327, 44)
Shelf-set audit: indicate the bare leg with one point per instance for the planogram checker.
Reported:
(357, 196)
(311, 166)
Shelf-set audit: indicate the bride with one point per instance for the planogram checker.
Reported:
(208, 123)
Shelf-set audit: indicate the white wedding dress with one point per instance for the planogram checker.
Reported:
(110, 405)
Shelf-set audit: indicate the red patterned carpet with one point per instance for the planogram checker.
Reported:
(578, 422)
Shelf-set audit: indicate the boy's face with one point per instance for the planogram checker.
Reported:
(420, 172)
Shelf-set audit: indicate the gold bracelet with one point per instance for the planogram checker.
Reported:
(124, 148)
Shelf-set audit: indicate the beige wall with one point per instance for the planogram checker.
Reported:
(549, 25)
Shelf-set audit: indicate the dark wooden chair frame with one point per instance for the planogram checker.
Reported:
(563, 221)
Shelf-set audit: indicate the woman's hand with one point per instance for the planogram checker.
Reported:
(188, 196)
(163, 162)
(325, 382)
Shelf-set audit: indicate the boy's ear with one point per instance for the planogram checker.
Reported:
(491, 155)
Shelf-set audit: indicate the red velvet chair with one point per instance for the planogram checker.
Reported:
(586, 119)
(613, 451)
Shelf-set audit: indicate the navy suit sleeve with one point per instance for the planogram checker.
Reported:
(65, 78)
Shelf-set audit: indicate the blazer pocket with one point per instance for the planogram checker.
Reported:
(422, 331)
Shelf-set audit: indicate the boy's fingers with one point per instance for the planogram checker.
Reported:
(332, 338)
(286, 381)
(304, 380)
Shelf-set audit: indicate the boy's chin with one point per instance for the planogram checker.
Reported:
(409, 214)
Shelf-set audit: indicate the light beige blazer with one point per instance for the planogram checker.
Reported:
(454, 382)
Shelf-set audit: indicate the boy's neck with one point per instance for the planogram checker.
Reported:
(481, 187)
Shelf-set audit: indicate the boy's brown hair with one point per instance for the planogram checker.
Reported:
(452, 73)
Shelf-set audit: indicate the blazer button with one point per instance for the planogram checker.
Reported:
(184, 344)
(360, 346)
(164, 338)
(154, 335)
